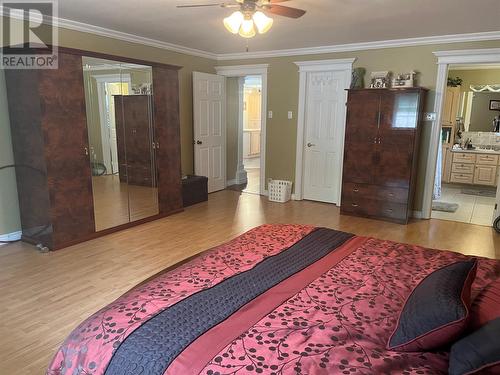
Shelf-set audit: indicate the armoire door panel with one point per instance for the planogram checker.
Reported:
(362, 117)
(66, 150)
(167, 135)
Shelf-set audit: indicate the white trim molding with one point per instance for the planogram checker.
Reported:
(444, 59)
(351, 47)
(13, 236)
(248, 70)
(348, 47)
(304, 68)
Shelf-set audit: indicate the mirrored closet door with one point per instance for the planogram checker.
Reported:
(119, 106)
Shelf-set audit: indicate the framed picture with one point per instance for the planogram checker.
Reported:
(494, 105)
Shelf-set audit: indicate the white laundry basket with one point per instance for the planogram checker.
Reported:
(279, 190)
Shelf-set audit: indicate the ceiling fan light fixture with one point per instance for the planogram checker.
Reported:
(234, 22)
(263, 22)
(247, 29)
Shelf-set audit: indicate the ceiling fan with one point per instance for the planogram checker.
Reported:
(251, 15)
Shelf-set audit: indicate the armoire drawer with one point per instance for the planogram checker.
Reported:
(375, 209)
(462, 178)
(389, 194)
(462, 168)
(464, 157)
(487, 159)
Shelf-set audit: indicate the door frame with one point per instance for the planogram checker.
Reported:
(444, 59)
(306, 67)
(101, 80)
(251, 70)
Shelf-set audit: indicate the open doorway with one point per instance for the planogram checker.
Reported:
(252, 114)
(468, 163)
(246, 87)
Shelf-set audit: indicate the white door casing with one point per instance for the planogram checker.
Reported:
(209, 111)
(321, 128)
(444, 59)
(243, 71)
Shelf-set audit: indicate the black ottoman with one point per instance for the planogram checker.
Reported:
(194, 190)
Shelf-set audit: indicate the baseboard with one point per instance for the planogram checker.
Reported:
(417, 214)
(231, 182)
(14, 236)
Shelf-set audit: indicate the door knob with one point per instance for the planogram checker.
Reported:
(310, 144)
(199, 142)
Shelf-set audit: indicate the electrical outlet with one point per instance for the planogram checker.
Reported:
(270, 114)
(290, 115)
(430, 116)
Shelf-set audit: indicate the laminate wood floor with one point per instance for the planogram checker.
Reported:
(44, 296)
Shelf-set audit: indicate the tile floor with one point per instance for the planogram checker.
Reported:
(473, 209)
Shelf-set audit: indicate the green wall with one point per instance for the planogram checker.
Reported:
(283, 89)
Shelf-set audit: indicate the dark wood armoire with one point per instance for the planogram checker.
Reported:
(135, 156)
(51, 149)
(381, 152)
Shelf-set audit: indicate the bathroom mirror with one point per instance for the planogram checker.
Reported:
(119, 109)
(476, 113)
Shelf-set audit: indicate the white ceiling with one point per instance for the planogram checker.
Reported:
(327, 22)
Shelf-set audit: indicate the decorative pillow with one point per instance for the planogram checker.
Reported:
(486, 306)
(477, 353)
(436, 311)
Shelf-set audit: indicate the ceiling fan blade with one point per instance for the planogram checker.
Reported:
(281, 10)
(276, 1)
(201, 5)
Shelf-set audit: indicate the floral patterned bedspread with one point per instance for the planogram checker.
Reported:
(337, 324)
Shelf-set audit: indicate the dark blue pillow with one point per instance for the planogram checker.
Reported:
(480, 351)
(437, 310)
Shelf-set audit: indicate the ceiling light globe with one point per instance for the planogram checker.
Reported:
(233, 22)
(247, 29)
(263, 22)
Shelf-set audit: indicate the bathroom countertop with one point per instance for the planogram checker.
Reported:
(477, 151)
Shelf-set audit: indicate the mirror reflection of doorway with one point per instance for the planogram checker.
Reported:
(119, 106)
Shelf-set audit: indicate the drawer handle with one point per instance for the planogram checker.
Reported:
(356, 190)
(354, 205)
(391, 194)
(389, 210)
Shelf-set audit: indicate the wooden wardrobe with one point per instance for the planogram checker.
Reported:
(51, 149)
(381, 151)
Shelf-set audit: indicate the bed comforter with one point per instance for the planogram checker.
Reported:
(279, 299)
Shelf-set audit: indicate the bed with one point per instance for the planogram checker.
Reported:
(278, 299)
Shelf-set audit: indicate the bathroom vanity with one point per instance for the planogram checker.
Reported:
(475, 167)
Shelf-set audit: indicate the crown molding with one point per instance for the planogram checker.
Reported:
(349, 47)
(119, 35)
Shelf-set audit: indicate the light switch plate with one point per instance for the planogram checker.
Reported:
(270, 114)
(430, 116)
(290, 115)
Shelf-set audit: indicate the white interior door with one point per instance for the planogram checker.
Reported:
(209, 109)
(323, 135)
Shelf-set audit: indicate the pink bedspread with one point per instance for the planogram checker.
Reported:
(338, 322)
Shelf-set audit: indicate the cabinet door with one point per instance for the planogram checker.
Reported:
(62, 102)
(485, 174)
(167, 134)
(361, 136)
(399, 111)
